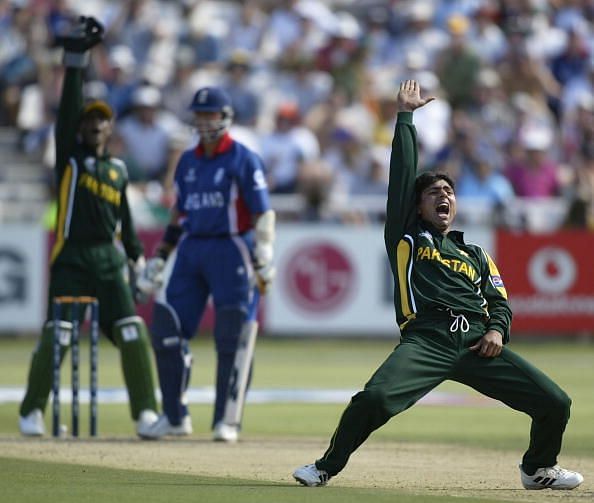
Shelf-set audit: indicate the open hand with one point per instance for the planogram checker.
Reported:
(409, 96)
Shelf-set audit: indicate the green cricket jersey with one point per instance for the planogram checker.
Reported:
(92, 203)
(433, 271)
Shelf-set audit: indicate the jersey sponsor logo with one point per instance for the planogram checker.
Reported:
(259, 180)
(456, 265)
(101, 190)
(203, 200)
(219, 175)
(497, 281)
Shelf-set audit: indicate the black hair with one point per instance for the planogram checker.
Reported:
(428, 178)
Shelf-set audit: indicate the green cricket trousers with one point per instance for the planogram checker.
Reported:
(432, 350)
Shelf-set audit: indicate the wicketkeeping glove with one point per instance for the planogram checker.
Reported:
(85, 35)
(149, 277)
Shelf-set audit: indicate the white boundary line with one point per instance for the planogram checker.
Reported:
(272, 395)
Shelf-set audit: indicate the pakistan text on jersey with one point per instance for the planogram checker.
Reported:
(200, 200)
(428, 253)
(102, 190)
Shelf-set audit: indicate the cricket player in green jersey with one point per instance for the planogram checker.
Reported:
(452, 309)
(92, 208)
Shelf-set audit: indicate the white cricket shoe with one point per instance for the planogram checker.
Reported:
(146, 419)
(551, 477)
(310, 476)
(162, 427)
(32, 424)
(225, 432)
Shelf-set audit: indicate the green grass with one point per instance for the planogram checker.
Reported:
(290, 363)
(315, 363)
(26, 481)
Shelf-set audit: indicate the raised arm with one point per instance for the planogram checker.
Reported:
(401, 206)
(87, 33)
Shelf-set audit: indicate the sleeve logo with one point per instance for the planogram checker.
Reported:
(259, 180)
(497, 281)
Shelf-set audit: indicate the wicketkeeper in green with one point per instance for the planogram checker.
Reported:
(92, 208)
(452, 309)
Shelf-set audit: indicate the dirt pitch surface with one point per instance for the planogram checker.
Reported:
(415, 468)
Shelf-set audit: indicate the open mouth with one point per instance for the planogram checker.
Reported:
(442, 210)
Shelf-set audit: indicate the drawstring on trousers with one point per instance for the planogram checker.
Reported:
(459, 322)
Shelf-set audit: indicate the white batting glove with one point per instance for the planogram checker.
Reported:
(264, 276)
(149, 276)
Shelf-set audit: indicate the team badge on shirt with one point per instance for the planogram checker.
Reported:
(190, 176)
(113, 175)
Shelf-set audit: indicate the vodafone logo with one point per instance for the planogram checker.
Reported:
(319, 277)
(552, 270)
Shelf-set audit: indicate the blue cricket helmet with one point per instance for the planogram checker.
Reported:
(212, 99)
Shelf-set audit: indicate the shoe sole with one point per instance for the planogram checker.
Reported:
(168, 434)
(225, 440)
(540, 488)
(303, 482)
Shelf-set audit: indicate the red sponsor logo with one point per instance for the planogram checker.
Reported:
(319, 277)
(549, 279)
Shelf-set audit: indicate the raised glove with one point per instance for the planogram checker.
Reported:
(85, 35)
(149, 276)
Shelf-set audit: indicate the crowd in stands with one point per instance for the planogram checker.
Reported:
(313, 85)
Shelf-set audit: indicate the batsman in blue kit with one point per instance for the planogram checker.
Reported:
(222, 231)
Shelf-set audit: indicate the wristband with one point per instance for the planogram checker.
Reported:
(172, 235)
(76, 59)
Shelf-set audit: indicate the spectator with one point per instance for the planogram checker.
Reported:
(245, 101)
(578, 129)
(314, 184)
(342, 56)
(286, 148)
(535, 174)
(146, 143)
(486, 36)
(491, 113)
(572, 63)
(248, 29)
(483, 182)
(458, 65)
(282, 30)
(421, 35)
(121, 80)
(327, 58)
(522, 73)
(351, 152)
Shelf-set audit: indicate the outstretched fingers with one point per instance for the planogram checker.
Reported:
(409, 96)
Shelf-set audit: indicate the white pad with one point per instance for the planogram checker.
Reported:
(240, 374)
